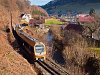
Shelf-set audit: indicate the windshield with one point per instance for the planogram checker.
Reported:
(39, 48)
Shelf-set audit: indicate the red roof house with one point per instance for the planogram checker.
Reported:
(86, 18)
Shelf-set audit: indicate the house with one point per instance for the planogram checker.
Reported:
(85, 18)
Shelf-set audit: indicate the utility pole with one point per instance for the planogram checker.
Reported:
(11, 14)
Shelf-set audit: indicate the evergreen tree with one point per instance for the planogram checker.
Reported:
(92, 12)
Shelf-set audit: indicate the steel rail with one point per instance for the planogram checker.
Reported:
(48, 68)
(60, 69)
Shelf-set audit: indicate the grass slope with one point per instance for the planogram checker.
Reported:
(52, 21)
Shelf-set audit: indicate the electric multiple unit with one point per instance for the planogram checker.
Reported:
(35, 48)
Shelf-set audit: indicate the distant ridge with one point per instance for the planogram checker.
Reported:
(61, 6)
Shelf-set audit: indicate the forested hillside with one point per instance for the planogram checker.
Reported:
(62, 6)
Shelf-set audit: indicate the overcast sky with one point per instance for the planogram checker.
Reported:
(39, 2)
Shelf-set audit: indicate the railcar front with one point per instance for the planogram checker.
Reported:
(40, 51)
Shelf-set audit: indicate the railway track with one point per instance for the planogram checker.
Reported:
(58, 68)
(50, 68)
(45, 66)
(46, 69)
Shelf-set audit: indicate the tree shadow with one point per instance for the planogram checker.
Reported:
(92, 66)
(19, 48)
(58, 57)
(57, 52)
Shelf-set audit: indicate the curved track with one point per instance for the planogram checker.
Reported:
(49, 67)
(58, 68)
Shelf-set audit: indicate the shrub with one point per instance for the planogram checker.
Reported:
(75, 47)
(37, 12)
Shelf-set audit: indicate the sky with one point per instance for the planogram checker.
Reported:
(39, 2)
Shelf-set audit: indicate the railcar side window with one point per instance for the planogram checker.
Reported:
(31, 48)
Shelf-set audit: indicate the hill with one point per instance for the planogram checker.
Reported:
(62, 6)
(11, 63)
(16, 7)
(38, 11)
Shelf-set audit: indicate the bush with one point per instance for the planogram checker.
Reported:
(92, 66)
(37, 12)
(74, 47)
(74, 50)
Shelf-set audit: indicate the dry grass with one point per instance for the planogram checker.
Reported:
(56, 31)
(74, 46)
(12, 63)
(75, 51)
(37, 33)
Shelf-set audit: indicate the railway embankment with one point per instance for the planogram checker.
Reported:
(11, 62)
